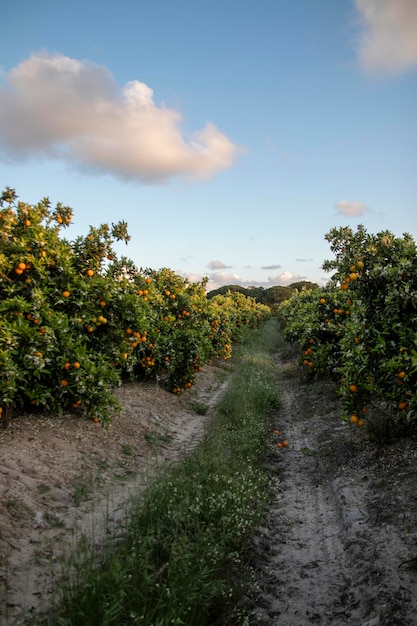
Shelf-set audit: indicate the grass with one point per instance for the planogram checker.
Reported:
(180, 557)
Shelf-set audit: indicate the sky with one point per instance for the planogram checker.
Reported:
(230, 135)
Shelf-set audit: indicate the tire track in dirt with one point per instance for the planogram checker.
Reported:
(321, 559)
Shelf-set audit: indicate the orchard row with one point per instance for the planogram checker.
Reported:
(76, 320)
(361, 329)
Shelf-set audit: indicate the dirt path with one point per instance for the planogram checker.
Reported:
(62, 478)
(342, 529)
(339, 544)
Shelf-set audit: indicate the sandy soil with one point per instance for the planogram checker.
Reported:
(339, 543)
(65, 477)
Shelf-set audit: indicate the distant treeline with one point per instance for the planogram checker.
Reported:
(270, 296)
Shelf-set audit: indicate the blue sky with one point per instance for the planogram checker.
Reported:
(229, 135)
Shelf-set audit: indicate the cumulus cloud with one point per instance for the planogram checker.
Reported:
(58, 107)
(219, 279)
(271, 267)
(351, 209)
(285, 278)
(217, 265)
(388, 42)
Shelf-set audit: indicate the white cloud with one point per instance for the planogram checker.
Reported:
(271, 267)
(286, 278)
(219, 279)
(351, 209)
(217, 265)
(389, 39)
(58, 107)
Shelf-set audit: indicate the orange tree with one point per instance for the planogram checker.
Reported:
(379, 272)
(314, 320)
(49, 293)
(361, 328)
(76, 320)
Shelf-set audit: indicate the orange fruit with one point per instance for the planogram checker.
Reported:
(354, 419)
(360, 422)
(285, 444)
(95, 420)
(102, 303)
(360, 265)
(148, 280)
(27, 223)
(402, 405)
(66, 294)
(279, 445)
(90, 273)
(22, 266)
(322, 301)
(276, 432)
(353, 276)
(353, 388)
(76, 365)
(64, 383)
(401, 374)
(67, 366)
(18, 271)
